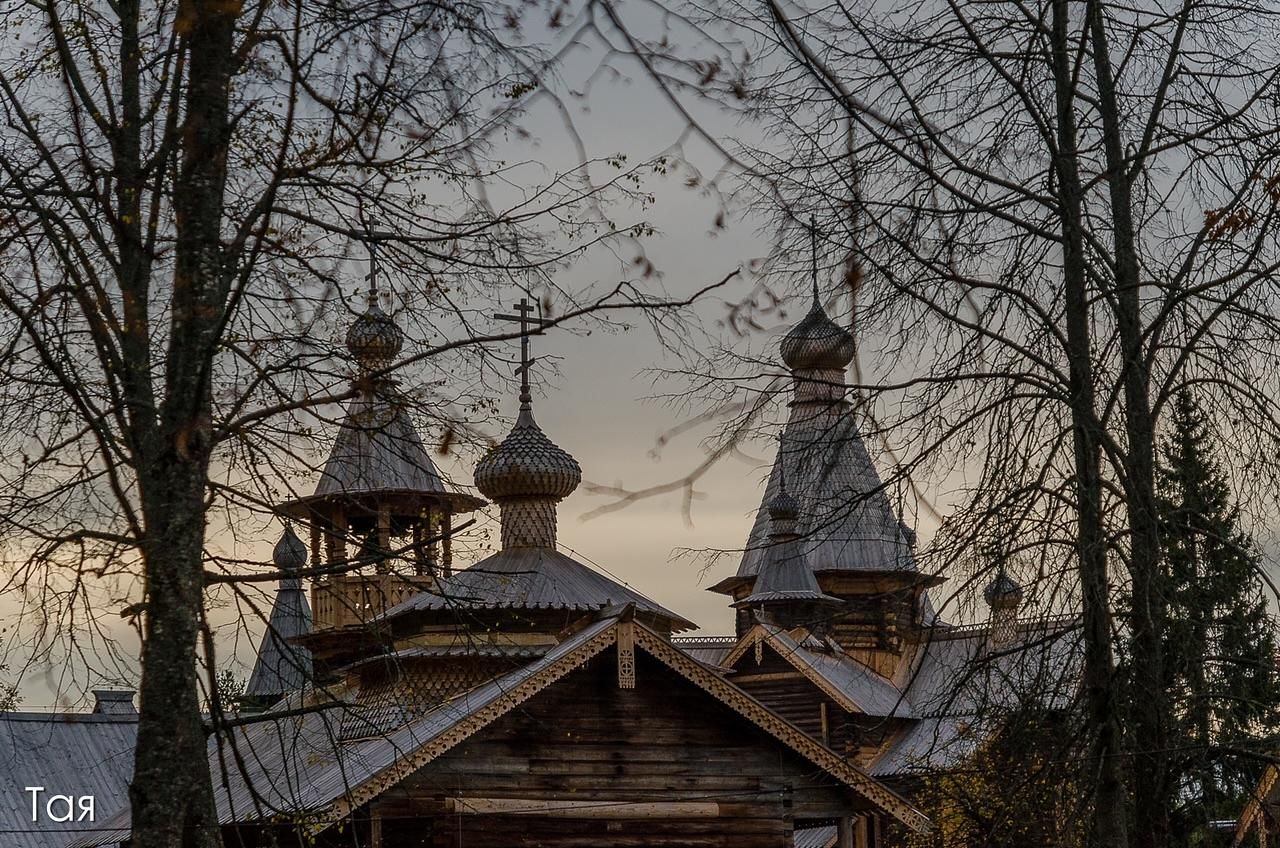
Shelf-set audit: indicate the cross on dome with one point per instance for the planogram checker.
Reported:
(527, 474)
(526, 321)
(374, 339)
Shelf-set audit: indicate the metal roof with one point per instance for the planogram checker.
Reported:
(815, 837)
(532, 578)
(960, 688)
(68, 754)
(846, 521)
(709, 650)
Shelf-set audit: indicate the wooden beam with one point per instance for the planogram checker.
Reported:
(584, 809)
(375, 828)
(763, 676)
(844, 833)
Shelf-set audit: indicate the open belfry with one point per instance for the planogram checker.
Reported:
(529, 699)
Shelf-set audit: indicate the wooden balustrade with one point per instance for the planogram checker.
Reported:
(348, 599)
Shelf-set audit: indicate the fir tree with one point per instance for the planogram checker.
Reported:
(1220, 641)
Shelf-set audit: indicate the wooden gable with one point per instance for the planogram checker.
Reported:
(586, 760)
(819, 711)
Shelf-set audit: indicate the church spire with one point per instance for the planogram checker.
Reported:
(283, 666)
(846, 522)
(527, 474)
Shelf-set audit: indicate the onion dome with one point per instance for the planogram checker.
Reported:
(1003, 590)
(527, 465)
(817, 343)
(290, 553)
(782, 509)
(289, 556)
(374, 339)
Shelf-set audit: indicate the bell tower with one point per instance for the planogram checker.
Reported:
(380, 516)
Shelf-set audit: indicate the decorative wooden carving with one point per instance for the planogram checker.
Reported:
(626, 655)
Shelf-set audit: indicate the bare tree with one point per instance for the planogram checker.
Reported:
(1066, 212)
(183, 187)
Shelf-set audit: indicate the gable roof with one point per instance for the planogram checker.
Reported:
(295, 763)
(68, 754)
(845, 680)
(532, 578)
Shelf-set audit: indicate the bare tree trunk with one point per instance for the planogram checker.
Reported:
(172, 793)
(1109, 818)
(1150, 766)
(174, 806)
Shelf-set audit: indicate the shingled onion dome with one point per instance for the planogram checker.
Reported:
(786, 587)
(374, 339)
(527, 475)
(1004, 596)
(1003, 591)
(290, 557)
(817, 350)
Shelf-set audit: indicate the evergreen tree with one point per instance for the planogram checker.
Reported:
(1220, 641)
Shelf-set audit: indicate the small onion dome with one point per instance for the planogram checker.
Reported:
(527, 465)
(783, 508)
(290, 553)
(817, 343)
(1003, 591)
(374, 339)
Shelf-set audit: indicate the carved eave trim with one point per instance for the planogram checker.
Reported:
(782, 730)
(466, 727)
(746, 643)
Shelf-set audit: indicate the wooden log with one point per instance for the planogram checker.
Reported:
(583, 809)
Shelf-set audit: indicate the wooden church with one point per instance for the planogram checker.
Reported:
(530, 700)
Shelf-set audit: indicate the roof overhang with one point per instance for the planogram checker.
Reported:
(366, 503)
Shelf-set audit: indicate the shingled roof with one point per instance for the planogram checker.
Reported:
(532, 578)
(846, 521)
(377, 450)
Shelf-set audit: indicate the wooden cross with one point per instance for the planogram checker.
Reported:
(530, 325)
(373, 273)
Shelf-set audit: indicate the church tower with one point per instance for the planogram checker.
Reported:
(380, 516)
(855, 546)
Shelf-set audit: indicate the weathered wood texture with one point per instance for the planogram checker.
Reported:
(776, 684)
(586, 740)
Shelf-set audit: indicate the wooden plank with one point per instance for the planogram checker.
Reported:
(584, 809)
